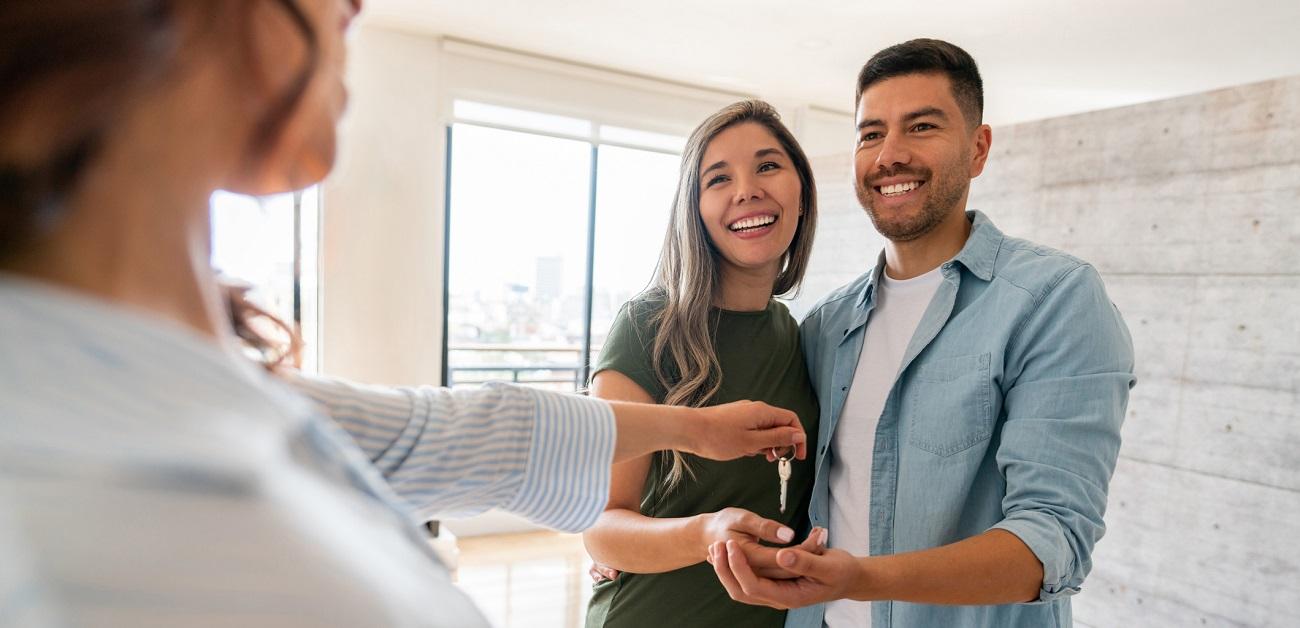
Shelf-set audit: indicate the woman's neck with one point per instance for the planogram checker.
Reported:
(144, 247)
(745, 290)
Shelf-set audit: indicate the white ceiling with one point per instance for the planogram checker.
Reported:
(1039, 59)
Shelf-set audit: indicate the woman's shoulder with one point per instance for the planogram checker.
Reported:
(781, 316)
(642, 310)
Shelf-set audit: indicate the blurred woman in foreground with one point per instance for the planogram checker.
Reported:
(150, 475)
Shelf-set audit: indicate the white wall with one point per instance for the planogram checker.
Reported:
(381, 260)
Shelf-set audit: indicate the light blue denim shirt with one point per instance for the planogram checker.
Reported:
(1005, 414)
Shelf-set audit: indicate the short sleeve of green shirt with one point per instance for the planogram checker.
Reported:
(628, 346)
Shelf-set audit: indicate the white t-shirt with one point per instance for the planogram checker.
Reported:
(898, 310)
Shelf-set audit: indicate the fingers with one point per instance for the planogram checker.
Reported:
(750, 584)
(761, 528)
(600, 573)
(721, 567)
(816, 541)
(778, 438)
(803, 563)
(762, 559)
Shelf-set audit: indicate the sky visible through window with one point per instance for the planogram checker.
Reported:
(519, 220)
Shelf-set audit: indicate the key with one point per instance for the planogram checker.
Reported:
(783, 471)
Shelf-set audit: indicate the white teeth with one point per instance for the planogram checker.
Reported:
(899, 188)
(751, 223)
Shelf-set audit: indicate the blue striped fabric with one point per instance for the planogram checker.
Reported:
(542, 455)
(149, 477)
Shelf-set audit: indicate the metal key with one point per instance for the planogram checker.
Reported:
(783, 471)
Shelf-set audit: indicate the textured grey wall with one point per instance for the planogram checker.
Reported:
(1190, 208)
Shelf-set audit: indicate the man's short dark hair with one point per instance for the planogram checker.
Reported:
(929, 56)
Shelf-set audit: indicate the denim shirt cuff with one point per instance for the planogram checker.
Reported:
(1042, 534)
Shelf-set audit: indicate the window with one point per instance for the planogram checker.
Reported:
(553, 223)
(271, 244)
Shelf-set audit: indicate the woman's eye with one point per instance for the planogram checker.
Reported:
(715, 180)
(768, 165)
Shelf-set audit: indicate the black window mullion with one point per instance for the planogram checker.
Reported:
(585, 359)
(446, 260)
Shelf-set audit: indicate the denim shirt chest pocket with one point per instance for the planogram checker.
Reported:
(949, 406)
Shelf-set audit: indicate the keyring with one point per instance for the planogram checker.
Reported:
(783, 458)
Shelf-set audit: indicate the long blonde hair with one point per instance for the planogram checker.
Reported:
(687, 277)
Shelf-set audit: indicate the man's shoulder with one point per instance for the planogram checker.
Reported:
(1033, 267)
(839, 299)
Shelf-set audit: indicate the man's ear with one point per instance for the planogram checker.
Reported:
(983, 141)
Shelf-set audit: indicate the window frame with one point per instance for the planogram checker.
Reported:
(594, 141)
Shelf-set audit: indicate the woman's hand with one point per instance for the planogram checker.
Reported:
(738, 524)
(763, 558)
(744, 428)
(600, 573)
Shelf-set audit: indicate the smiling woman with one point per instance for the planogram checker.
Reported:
(707, 332)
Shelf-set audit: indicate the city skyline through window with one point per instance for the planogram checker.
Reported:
(519, 215)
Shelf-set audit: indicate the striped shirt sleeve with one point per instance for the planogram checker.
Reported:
(543, 455)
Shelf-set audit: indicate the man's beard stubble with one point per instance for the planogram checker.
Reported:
(940, 201)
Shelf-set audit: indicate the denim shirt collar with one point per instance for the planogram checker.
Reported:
(978, 255)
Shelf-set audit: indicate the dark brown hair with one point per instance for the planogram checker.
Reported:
(273, 340)
(76, 64)
(929, 56)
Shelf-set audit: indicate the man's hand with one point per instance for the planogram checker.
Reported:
(744, 428)
(762, 558)
(817, 578)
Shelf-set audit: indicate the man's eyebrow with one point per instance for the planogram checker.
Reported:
(928, 111)
(919, 113)
(872, 122)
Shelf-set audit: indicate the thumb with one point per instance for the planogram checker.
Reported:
(800, 562)
(778, 437)
(765, 529)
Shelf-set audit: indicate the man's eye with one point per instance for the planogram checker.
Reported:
(924, 126)
(870, 137)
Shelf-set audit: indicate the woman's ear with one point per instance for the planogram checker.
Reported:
(283, 77)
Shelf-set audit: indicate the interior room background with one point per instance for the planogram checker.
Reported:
(492, 209)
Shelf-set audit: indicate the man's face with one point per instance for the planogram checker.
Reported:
(915, 154)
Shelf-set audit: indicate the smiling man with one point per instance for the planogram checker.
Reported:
(972, 387)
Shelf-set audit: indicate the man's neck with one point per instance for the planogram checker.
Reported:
(913, 258)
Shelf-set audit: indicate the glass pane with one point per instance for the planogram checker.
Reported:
(518, 257)
(471, 111)
(634, 195)
(309, 278)
(253, 243)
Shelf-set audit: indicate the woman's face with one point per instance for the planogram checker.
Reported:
(749, 197)
(304, 151)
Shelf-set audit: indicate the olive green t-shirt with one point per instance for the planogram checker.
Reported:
(761, 361)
